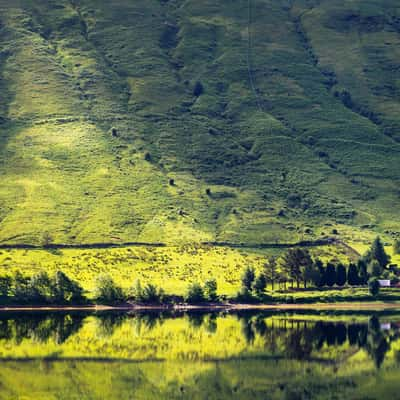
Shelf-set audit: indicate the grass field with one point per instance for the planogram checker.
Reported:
(172, 268)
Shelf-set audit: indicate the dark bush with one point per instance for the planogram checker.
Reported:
(373, 286)
(107, 292)
(194, 294)
(198, 89)
(210, 290)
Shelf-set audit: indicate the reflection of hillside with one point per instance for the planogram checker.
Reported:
(197, 336)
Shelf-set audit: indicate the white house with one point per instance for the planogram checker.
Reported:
(384, 282)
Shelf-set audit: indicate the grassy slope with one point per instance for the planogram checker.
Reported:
(267, 134)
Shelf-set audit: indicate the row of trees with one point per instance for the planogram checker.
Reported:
(59, 289)
(297, 266)
(107, 292)
(40, 289)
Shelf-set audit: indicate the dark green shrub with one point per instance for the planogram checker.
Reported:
(5, 286)
(373, 286)
(362, 272)
(352, 275)
(210, 290)
(396, 247)
(194, 294)
(374, 269)
(330, 274)
(198, 89)
(341, 275)
(260, 284)
(66, 290)
(107, 292)
(149, 294)
(248, 278)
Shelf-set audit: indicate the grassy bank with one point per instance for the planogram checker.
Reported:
(344, 305)
(346, 298)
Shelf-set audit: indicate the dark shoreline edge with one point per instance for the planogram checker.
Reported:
(351, 306)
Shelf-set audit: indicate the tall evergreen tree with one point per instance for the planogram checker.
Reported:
(352, 275)
(341, 275)
(330, 274)
(248, 278)
(362, 272)
(310, 274)
(377, 252)
(374, 269)
(271, 271)
(319, 278)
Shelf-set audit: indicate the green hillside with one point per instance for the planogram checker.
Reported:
(242, 121)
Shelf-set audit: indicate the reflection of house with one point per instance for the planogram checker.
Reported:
(385, 326)
(384, 282)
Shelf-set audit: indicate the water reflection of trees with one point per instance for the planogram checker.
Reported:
(304, 340)
(297, 339)
(40, 328)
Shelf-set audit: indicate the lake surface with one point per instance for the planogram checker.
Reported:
(245, 355)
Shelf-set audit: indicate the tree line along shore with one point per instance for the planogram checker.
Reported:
(295, 277)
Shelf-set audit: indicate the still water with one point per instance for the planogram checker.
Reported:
(244, 355)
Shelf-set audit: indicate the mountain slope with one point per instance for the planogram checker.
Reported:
(276, 120)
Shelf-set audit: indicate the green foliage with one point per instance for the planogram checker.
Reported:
(151, 294)
(20, 287)
(271, 271)
(65, 290)
(295, 262)
(341, 275)
(5, 286)
(147, 294)
(374, 269)
(210, 290)
(107, 292)
(362, 272)
(377, 252)
(260, 284)
(40, 289)
(47, 239)
(352, 275)
(396, 247)
(330, 274)
(248, 278)
(373, 286)
(198, 89)
(319, 275)
(195, 294)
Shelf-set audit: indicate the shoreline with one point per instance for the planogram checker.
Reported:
(353, 306)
